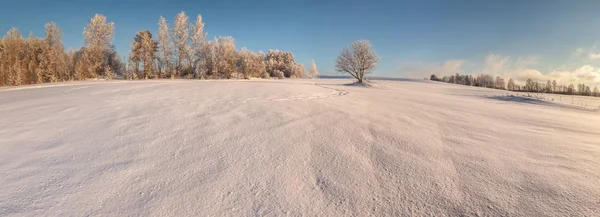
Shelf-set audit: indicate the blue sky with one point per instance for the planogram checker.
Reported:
(545, 39)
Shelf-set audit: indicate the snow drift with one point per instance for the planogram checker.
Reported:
(294, 147)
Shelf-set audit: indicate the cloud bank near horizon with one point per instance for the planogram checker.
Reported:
(581, 68)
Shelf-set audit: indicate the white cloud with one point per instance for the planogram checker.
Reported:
(580, 69)
(521, 75)
(525, 62)
(592, 55)
(523, 68)
(420, 70)
(494, 64)
(585, 74)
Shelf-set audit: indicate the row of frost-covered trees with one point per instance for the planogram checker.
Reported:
(530, 85)
(180, 50)
(34, 60)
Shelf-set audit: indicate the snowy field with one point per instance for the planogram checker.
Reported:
(295, 147)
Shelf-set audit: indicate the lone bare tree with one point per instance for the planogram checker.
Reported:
(357, 60)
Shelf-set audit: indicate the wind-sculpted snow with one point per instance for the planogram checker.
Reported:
(295, 147)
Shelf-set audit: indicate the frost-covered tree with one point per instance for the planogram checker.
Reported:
(499, 83)
(198, 37)
(13, 49)
(144, 49)
(182, 50)
(470, 80)
(35, 58)
(3, 73)
(134, 62)
(298, 71)
(208, 65)
(81, 62)
(314, 73)
(98, 35)
(70, 73)
(587, 91)
(219, 57)
(181, 31)
(250, 64)
(165, 45)
(114, 61)
(511, 84)
(488, 81)
(225, 55)
(279, 61)
(53, 34)
(357, 60)
(277, 74)
(132, 68)
(571, 89)
(596, 91)
(108, 72)
(181, 47)
(57, 69)
(484, 80)
(32, 60)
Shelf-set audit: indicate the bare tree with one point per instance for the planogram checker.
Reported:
(357, 60)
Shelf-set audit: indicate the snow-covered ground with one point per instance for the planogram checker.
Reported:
(295, 147)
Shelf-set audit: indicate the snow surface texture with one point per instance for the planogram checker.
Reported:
(295, 147)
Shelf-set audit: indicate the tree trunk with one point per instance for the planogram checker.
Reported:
(148, 68)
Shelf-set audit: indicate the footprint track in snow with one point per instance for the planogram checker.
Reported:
(335, 93)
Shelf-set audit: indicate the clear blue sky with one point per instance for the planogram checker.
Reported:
(410, 36)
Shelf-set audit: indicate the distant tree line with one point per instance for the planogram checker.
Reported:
(180, 51)
(530, 85)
